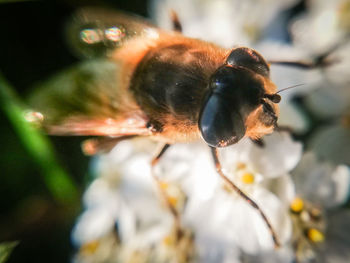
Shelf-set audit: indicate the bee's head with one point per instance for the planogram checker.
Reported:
(241, 101)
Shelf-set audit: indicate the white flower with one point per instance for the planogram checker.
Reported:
(326, 22)
(320, 225)
(225, 22)
(332, 142)
(322, 183)
(282, 255)
(122, 202)
(230, 221)
(126, 217)
(337, 242)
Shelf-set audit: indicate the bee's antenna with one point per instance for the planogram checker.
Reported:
(290, 87)
(276, 98)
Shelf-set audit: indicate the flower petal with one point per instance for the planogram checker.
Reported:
(279, 155)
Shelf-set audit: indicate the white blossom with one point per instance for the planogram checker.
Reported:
(320, 225)
(229, 219)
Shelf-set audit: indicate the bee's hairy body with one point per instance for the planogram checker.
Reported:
(165, 86)
(168, 80)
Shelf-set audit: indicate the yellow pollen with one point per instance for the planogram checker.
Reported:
(89, 248)
(173, 200)
(163, 185)
(297, 205)
(241, 166)
(248, 178)
(343, 15)
(315, 235)
(168, 240)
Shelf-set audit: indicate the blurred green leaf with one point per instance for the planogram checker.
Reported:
(6, 250)
(59, 183)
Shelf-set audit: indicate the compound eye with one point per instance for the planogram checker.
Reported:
(248, 58)
(220, 126)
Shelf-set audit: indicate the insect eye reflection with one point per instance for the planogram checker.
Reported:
(250, 59)
(235, 93)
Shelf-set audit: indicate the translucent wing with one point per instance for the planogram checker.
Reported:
(95, 32)
(88, 99)
(92, 98)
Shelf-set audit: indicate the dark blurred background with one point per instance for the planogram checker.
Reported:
(32, 48)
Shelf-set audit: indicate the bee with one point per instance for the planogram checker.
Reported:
(145, 81)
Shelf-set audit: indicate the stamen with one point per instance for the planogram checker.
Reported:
(248, 178)
(90, 247)
(241, 166)
(315, 235)
(163, 185)
(244, 196)
(168, 240)
(315, 213)
(297, 205)
(173, 200)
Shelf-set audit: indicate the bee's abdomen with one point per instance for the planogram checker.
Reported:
(170, 81)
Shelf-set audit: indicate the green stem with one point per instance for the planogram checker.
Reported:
(60, 184)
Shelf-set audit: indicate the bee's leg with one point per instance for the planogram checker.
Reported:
(102, 144)
(258, 142)
(320, 61)
(302, 64)
(235, 188)
(156, 159)
(175, 21)
(284, 128)
(163, 192)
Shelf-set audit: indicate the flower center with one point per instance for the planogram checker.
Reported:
(173, 200)
(315, 235)
(173, 195)
(248, 178)
(241, 166)
(297, 205)
(344, 15)
(90, 247)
